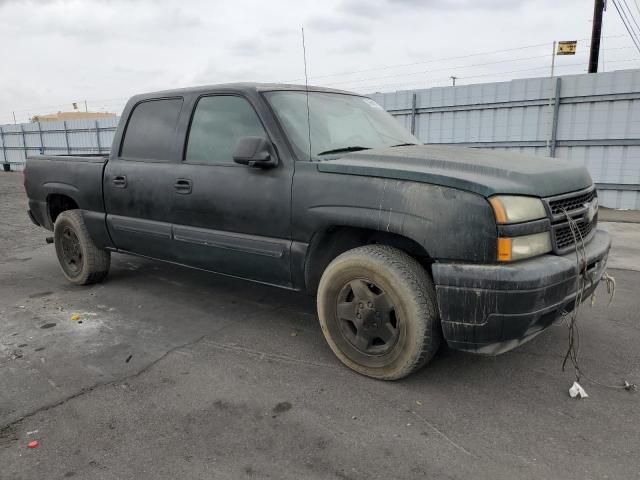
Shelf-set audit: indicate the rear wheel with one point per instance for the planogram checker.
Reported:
(81, 260)
(378, 312)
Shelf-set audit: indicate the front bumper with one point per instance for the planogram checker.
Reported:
(491, 309)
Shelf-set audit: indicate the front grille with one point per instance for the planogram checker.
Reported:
(571, 203)
(564, 237)
(576, 206)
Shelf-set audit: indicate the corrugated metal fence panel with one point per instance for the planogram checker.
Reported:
(620, 81)
(107, 131)
(597, 122)
(630, 199)
(489, 125)
(55, 138)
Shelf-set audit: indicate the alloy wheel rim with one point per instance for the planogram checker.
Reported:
(71, 250)
(367, 317)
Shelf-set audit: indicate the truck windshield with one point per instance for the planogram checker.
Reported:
(340, 123)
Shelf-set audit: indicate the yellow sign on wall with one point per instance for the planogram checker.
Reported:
(567, 47)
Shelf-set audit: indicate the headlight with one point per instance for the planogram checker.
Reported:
(517, 248)
(515, 209)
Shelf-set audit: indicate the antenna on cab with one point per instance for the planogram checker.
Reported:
(306, 85)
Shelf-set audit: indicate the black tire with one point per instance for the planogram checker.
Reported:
(388, 326)
(82, 262)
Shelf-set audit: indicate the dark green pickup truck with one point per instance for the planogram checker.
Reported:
(405, 245)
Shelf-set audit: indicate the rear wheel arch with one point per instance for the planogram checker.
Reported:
(58, 203)
(329, 243)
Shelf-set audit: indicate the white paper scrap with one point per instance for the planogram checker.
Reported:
(577, 390)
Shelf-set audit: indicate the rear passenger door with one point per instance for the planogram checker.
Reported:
(139, 180)
(234, 219)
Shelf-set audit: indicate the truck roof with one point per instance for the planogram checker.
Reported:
(239, 87)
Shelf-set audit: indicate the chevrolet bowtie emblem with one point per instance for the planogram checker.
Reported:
(592, 209)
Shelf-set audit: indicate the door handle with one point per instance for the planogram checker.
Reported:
(183, 186)
(119, 181)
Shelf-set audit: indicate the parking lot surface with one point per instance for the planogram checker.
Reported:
(173, 373)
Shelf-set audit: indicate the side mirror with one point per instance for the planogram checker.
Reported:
(255, 152)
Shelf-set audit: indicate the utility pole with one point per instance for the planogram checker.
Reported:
(453, 79)
(596, 31)
(553, 58)
(86, 108)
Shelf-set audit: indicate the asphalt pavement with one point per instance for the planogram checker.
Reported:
(172, 373)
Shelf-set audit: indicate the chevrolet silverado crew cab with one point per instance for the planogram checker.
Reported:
(405, 245)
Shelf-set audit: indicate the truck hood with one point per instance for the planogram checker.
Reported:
(482, 171)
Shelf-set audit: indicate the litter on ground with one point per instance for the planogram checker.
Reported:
(576, 390)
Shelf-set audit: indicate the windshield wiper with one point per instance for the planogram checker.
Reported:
(354, 148)
(403, 145)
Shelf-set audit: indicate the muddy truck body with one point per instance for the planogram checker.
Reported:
(405, 245)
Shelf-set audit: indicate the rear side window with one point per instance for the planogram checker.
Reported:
(218, 123)
(150, 133)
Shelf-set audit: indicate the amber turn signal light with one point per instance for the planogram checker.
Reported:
(498, 210)
(504, 249)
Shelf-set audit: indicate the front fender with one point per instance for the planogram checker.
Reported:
(449, 224)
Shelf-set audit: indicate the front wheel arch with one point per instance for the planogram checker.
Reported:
(329, 243)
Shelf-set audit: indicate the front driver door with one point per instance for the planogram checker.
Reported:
(233, 219)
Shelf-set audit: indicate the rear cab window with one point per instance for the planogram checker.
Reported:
(151, 129)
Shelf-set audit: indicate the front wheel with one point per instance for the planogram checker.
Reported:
(378, 312)
(81, 260)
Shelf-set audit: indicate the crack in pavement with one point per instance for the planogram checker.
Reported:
(90, 389)
(261, 355)
(146, 368)
(443, 435)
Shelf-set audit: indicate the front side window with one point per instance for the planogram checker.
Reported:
(151, 129)
(218, 123)
(339, 123)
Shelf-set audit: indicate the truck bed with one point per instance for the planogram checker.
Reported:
(79, 177)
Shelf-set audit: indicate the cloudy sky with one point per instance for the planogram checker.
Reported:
(55, 52)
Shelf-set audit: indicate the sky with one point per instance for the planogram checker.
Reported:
(56, 52)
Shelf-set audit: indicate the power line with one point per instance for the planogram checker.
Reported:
(385, 67)
(629, 31)
(632, 16)
(625, 21)
(453, 68)
(431, 82)
(440, 69)
(462, 78)
(436, 60)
